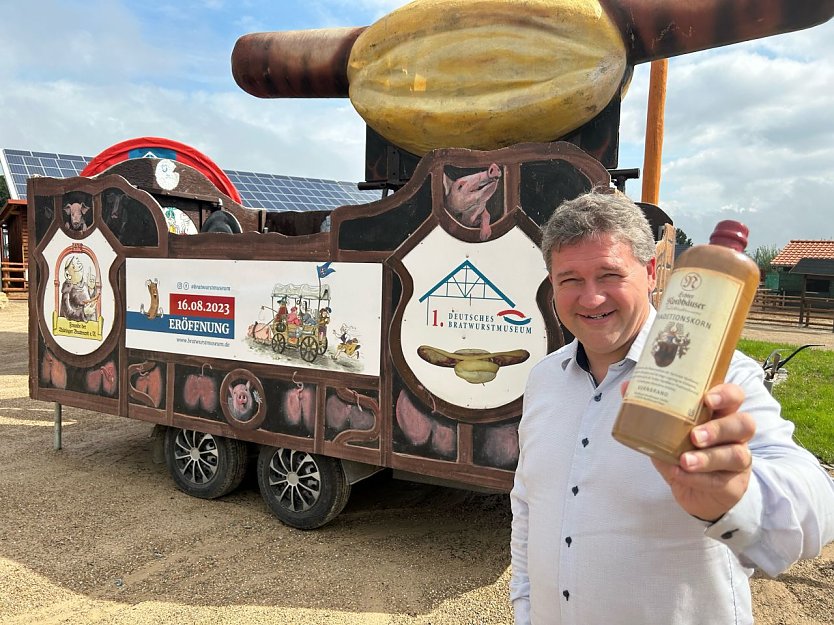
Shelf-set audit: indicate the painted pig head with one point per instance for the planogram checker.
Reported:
(241, 401)
(75, 212)
(465, 199)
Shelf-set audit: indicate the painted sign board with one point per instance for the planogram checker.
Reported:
(321, 316)
(473, 304)
(78, 302)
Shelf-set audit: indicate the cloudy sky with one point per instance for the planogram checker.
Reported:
(749, 128)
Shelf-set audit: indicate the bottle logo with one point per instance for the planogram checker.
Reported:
(691, 281)
(670, 342)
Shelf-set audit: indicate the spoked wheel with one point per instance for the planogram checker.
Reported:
(203, 465)
(309, 348)
(279, 343)
(322, 345)
(303, 490)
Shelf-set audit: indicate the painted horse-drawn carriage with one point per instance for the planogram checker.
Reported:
(296, 323)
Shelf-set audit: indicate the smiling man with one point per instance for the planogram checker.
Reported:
(603, 534)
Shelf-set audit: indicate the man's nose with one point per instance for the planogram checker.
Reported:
(592, 295)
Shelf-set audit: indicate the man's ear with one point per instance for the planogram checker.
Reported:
(651, 269)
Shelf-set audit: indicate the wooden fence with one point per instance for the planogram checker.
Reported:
(14, 280)
(794, 310)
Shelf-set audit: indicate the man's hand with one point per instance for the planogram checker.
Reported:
(712, 479)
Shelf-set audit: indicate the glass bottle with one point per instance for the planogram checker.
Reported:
(690, 344)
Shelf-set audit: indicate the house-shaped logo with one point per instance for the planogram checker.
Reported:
(468, 284)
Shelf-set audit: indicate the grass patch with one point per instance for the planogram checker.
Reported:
(807, 396)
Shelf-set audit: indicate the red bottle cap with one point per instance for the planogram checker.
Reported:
(729, 233)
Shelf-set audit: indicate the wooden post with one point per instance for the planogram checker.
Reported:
(654, 131)
(803, 310)
(652, 159)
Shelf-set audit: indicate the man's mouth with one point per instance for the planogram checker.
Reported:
(599, 316)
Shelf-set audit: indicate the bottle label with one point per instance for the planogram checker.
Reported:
(682, 347)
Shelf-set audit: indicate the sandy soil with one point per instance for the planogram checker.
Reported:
(97, 533)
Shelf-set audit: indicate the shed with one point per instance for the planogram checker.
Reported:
(14, 248)
(801, 266)
(817, 275)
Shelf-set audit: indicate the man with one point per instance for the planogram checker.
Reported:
(604, 535)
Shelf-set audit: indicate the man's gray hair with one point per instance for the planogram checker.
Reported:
(596, 214)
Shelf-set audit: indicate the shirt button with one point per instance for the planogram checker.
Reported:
(584, 442)
(598, 397)
(575, 490)
(566, 595)
(568, 540)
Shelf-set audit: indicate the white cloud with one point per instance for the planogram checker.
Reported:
(749, 128)
(749, 134)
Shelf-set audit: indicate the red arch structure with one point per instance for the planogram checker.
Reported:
(163, 148)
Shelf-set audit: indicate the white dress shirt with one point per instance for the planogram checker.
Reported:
(597, 538)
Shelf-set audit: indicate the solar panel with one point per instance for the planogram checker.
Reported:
(20, 165)
(272, 192)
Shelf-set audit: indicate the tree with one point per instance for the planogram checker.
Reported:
(764, 255)
(4, 191)
(681, 238)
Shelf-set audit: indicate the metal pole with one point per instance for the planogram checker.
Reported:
(57, 430)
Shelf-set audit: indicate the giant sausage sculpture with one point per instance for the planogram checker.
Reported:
(484, 74)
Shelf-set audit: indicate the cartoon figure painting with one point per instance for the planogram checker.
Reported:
(299, 325)
(348, 343)
(154, 310)
(79, 292)
(466, 198)
(77, 295)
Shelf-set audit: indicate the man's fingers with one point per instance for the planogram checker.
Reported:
(735, 458)
(738, 427)
(724, 399)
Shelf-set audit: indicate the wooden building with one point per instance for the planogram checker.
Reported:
(14, 244)
(805, 266)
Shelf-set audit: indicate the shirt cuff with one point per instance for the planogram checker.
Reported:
(521, 609)
(741, 526)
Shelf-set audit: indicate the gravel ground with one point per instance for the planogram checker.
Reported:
(97, 534)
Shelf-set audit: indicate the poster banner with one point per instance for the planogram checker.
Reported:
(299, 314)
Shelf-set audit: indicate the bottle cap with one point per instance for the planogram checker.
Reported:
(729, 233)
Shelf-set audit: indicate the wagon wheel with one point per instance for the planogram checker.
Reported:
(303, 490)
(322, 345)
(203, 465)
(309, 348)
(279, 343)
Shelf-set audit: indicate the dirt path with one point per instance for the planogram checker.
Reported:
(97, 533)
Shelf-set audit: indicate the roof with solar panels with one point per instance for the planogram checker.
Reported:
(271, 192)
